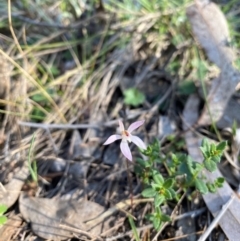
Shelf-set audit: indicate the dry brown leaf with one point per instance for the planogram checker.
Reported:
(11, 191)
(59, 219)
(230, 222)
(8, 230)
(221, 91)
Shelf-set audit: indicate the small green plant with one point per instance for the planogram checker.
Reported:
(158, 218)
(133, 97)
(3, 218)
(212, 154)
(183, 174)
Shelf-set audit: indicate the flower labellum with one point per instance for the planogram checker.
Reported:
(126, 137)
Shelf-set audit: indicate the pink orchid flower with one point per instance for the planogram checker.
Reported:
(127, 136)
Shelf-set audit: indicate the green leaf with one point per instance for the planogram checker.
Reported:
(133, 97)
(143, 163)
(37, 114)
(39, 98)
(148, 151)
(190, 165)
(185, 172)
(3, 209)
(193, 166)
(158, 200)
(221, 146)
(175, 158)
(168, 183)
(187, 87)
(216, 159)
(158, 211)
(138, 170)
(155, 186)
(173, 193)
(156, 223)
(167, 194)
(205, 143)
(219, 182)
(178, 158)
(210, 165)
(149, 192)
(204, 152)
(150, 217)
(158, 178)
(54, 70)
(205, 148)
(173, 67)
(211, 187)
(3, 220)
(212, 148)
(156, 145)
(201, 186)
(197, 167)
(134, 229)
(165, 218)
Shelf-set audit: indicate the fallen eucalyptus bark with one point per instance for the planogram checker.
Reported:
(210, 28)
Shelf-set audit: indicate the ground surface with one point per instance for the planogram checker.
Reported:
(69, 70)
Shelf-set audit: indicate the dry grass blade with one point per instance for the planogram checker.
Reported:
(4, 91)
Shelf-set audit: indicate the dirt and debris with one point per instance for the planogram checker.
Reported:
(65, 67)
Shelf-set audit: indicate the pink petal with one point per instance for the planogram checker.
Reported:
(111, 139)
(121, 126)
(137, 141)
(135, 125)
(126, 150)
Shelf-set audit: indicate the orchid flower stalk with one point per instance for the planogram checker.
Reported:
(126, 136)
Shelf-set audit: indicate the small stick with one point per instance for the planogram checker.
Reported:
(57, 126)
(217, 218)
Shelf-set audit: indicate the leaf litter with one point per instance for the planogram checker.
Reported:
(82, 190)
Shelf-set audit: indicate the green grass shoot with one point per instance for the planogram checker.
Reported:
(134, 229)
(32, 165)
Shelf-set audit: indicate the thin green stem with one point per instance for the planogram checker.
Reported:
(130, 183)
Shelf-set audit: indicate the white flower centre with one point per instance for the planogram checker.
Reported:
(126, 136)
